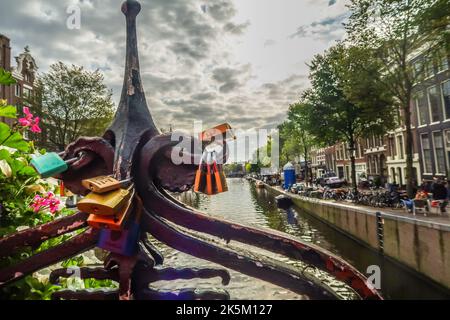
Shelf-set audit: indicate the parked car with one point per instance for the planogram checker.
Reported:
(324, 178)
(298, 187)
(334, 182)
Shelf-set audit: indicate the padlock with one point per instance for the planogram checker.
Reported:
(106, 204)
(222, 129)
(209, 182)
(51, 164)
(115, 222)
(204, 181)
(103, 184)
(123, 242)
(200, 176)
(219, 176)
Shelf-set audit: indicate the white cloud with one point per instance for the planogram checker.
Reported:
(211, 60)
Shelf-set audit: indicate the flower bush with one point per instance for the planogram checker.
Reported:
(26, 200)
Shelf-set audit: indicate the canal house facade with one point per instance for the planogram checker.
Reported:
(24, 72)
(375, 153)
(383, 158)
(432, 108)
(318, 162)
(343, 162)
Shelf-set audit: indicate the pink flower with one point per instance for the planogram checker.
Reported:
(27, 112)
(47, 202)
(35, 127)
(29, 122)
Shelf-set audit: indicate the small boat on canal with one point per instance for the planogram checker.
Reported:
(259, 184)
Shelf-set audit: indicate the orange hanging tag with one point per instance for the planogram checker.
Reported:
(221, 182)
(62, 191)
(198, 178)
(209, 186)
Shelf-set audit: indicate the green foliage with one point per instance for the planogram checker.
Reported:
(74, 102)
(11, 139)
(396, 30)
(19, 183)
(8, 111)
(6, 78)
(342, 105)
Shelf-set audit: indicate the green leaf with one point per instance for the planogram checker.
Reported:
(12, 140)
(6, 78)
(27, 171)
(8, 111)
(5, 131)
(4, 155)
(16, 141)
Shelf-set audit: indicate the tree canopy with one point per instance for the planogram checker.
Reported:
(343, 104)
(73, 102)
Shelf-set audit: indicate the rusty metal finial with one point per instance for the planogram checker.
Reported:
(133, 119)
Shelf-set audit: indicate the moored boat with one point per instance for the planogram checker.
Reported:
(259, 184)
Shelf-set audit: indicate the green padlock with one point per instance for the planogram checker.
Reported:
(51, 164)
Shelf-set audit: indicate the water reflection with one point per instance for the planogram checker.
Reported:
(249, 205)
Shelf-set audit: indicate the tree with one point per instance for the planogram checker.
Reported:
(72, 102)
(337, 109)
(435, 22)
(298, 141)
(392, 30)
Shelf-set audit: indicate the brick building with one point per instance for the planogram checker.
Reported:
(375, 153)
(318, 164)
(343, 162)
(432, 109)
(24, 72)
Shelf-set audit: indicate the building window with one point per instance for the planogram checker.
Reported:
(400, 146)
(429, 69)
(418, 70)
(433, 101)
(400, 176)
(447, 146)
(392, 152)
(393, 180)
(439, 152)
(26, 93)
(421, 105)
(446, 98)
(18, 90)
(426, 149)
(443, 61)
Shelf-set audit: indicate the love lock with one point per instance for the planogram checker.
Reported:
(51, 164)
(210, 178)
(108, 204)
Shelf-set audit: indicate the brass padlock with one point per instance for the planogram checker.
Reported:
(103, 184)
(115, 222)
(106, 204)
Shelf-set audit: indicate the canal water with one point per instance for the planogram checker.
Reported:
(246, 204)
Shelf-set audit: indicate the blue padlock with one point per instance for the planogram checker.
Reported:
(51, 164)
(123, 242)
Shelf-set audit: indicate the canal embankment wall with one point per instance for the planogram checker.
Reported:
(419, 244)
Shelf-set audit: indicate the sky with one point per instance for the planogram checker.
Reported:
(236, 61)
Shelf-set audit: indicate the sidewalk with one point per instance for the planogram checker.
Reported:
(430, 218)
